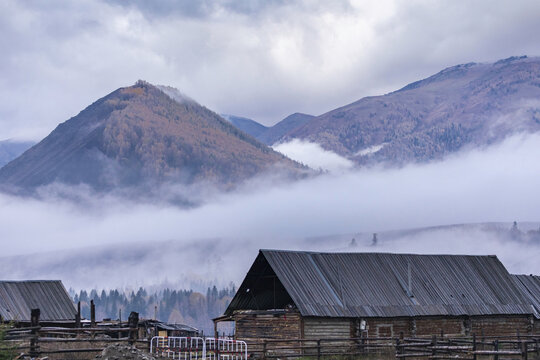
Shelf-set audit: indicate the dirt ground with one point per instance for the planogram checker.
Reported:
(123, 352)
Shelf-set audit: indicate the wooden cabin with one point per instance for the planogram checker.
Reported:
(310, 295)
(18, 298)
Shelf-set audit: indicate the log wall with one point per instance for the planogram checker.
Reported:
(267, 326)
(290, 326)
(450, 326)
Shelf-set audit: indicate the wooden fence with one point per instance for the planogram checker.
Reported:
(519, 347)
(37, 341)
(434, 348)
(65, 343)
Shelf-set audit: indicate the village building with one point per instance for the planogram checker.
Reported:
(18, 298)
(530, 285)
(149, 328)
(309, 295)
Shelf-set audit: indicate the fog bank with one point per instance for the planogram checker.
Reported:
(218, 240)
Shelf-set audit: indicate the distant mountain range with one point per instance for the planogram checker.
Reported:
(463, 106)
(283, 128)
(144, 134)
(248, 126)
(10, 149)
(269, 134)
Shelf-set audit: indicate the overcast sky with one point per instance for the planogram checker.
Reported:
(259, 59)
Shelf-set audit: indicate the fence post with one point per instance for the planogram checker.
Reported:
(398, 347)
(474, 345)
(34, 322)
(496, 348)
(78, 316)
(319, 349)
(363, 341)
(433, 344)
(133, 324)
(524, 349)
(264, 349)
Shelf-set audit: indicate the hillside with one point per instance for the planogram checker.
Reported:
(466, 105)
(143, 134)
(10, 149)
(248, 126)
(272, 134)
(292, 122)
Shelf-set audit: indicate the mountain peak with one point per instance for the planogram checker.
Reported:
(143, 134)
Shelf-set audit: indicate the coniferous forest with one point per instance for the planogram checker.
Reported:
(171, 306)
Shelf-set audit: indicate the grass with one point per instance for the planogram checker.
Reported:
(7, 350)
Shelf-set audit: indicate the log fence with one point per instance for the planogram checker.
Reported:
(37, 341)
(434, 348)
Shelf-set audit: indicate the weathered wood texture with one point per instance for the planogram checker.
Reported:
(327, 328)
(317, 328)
(291, 325)
(254, 328)
(451, 326)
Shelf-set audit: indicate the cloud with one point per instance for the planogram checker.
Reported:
(219, 239)
(314, 156)
(262, 59)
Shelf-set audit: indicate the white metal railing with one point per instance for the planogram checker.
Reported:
(225, 349)
(183, 348)
(197, 348)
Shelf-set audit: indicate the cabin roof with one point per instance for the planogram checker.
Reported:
(377, 285)
(530, 285)
(17, 298)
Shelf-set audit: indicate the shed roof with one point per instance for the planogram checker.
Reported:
(377, 285)
(17, 298)
(530, 284)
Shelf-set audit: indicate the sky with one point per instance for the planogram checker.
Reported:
(259, 59)
(262, 60)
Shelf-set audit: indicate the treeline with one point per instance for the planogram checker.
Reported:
(171, 306)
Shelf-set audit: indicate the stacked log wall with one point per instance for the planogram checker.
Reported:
(450, 326)
(260, 326)
(256, 327)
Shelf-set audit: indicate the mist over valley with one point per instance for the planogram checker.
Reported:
(377, 127)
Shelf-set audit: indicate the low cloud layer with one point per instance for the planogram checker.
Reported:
(314, 156)
(218, 240)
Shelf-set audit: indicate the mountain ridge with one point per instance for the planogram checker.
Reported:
(471, 104)
(137, 134)
(11, 149)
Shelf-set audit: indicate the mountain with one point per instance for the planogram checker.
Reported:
(272, 134)
(466, 105)
(248, 126)
(10, 149)
(143, 134)
(284, 127)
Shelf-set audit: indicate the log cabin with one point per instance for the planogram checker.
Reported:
(312, 295)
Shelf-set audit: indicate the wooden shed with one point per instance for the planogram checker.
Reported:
(18, 298)
(309, 295)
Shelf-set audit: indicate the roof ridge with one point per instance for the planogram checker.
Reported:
(370, 252)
